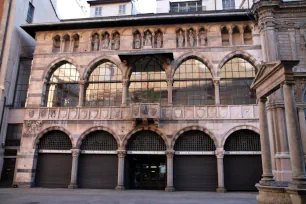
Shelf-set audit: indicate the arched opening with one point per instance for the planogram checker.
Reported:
(137, 42)
(56, 44)
(225, 36)
(76, 42)
(193, 84)
(195, 165)
(180, 38)
(104, 86)
(236, 36)
(62, 88)
(242, 161)
(148, 82)
(95, 42)
(146, 162)
(54, 149)
(158, 39)
(191, 37)
(147, 41)
(202, 40)
(247, 35)
(66, 39)
(235, 85)
(106, 40)
(98, 163)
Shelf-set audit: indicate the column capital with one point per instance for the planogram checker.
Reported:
(75, 152)
(82, 82)
(300, 106)
(216, 82)
(125, 82)
(288, 82)
(263, 99)
(121, 153)
(170, 153)
(170, 81)
(220, 153)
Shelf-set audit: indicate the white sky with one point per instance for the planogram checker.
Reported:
(147, 6)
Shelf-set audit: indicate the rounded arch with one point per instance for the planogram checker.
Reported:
(99, 60)
(56, 35)
(57, 63)
(240, 54)
(94, 129)
(189, 128)
(49, 129)
(234, 129)
(138, 129)
(192, 55)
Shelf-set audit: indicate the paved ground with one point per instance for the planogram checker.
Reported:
(84, 196)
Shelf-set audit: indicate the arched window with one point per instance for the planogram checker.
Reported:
(55, 140)
(247, 36)
(66, 39)
(243, 140)
(146, 141)
(76, 44)
(62, 88)
(225, 36)
(99, 140)
(56, 44)
(104, 86)
(148, 82)
(193, 84)
(236, 79)
(236, 36)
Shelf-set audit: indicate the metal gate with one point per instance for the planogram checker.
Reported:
(53, 169)
(8, 171)
(242, 161)
(98, 162)
(195, 165)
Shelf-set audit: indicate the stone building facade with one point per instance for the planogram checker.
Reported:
(154, 103)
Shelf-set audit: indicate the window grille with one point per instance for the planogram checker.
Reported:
(99, 140)
(243, 140)
(55, 140)
(228, 4)
(194, 141)
(13, 134)
(122, 9)
(186, 6)
(146, 141)
(193, 84)
(30, 14)
(235, 85)
(22, 84)
(98, 11)
(105, 86)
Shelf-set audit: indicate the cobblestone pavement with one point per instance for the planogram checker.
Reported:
(86, 196)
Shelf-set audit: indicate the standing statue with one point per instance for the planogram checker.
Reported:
(180, 39)
(202, 38)
(159, 40)
(116, 42)
(106, 42)
(148, 40)
(95, 43)
(191, 38)
(137, 42)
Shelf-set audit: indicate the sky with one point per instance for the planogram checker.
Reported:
(147, 6)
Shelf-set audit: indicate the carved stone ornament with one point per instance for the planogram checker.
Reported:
(223, 111)
(31, 113)
(159, 40)
(153, 111)
(105, 113)
(212, 112)
(167, 113)
(106, 41)
(180, 39)
(136, 111)
(95, 42)
(137, 41)
(116, 42)
(145, 110)
(73, 114)
(148, 39)
(53, 114)
(178, 113)
(33, 127)
(201, 113)
(116, 113)
(219, 153)
(94, 114)
(43, 113)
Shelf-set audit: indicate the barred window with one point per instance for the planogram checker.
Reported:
(146, 141)
(22, 84)
(235, 85)
(193, 84)
(99, 140)
(243, 140)
(62, 89)
(13, 134)
(104, 86)
(148, 82)
(55, 140)
(194, 141)
(228, 4)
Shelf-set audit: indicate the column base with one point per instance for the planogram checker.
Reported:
(73, 186)
(267, 182)
(221, 190)
(169, 189)
(298, 183)
(272, 195)
(23, 184)
(298, 196)
(120, 188)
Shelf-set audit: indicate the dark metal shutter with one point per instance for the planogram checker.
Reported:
(195, 173)
(242, 172)
(98, 171)
(8, 172)
(53, 170)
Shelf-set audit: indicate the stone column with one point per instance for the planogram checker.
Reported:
(62, 45)
(125, 84)
(272, 135)
(241, 30)
(302, 121)
(121, 158)
(294, 137)
(74, 169)
(71, 45)
(81, 93)
(217, 91)
(170, 187)
(220, 155)
(267, 176)
(170, 86)
(230, 33)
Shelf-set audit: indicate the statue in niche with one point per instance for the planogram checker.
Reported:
(180, 39)
(137, 42)
(191, 38)
(106, 41)
(159, 40)
(148, 39)
(116, 42)
(95, 43)
(202, 38)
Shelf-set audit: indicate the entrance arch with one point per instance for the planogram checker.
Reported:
(242, 161)
(195, 165)
(54, 163)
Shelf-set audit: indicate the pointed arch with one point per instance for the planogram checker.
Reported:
(195, 127)
(234, 129)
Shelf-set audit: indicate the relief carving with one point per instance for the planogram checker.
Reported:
(180, 38)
